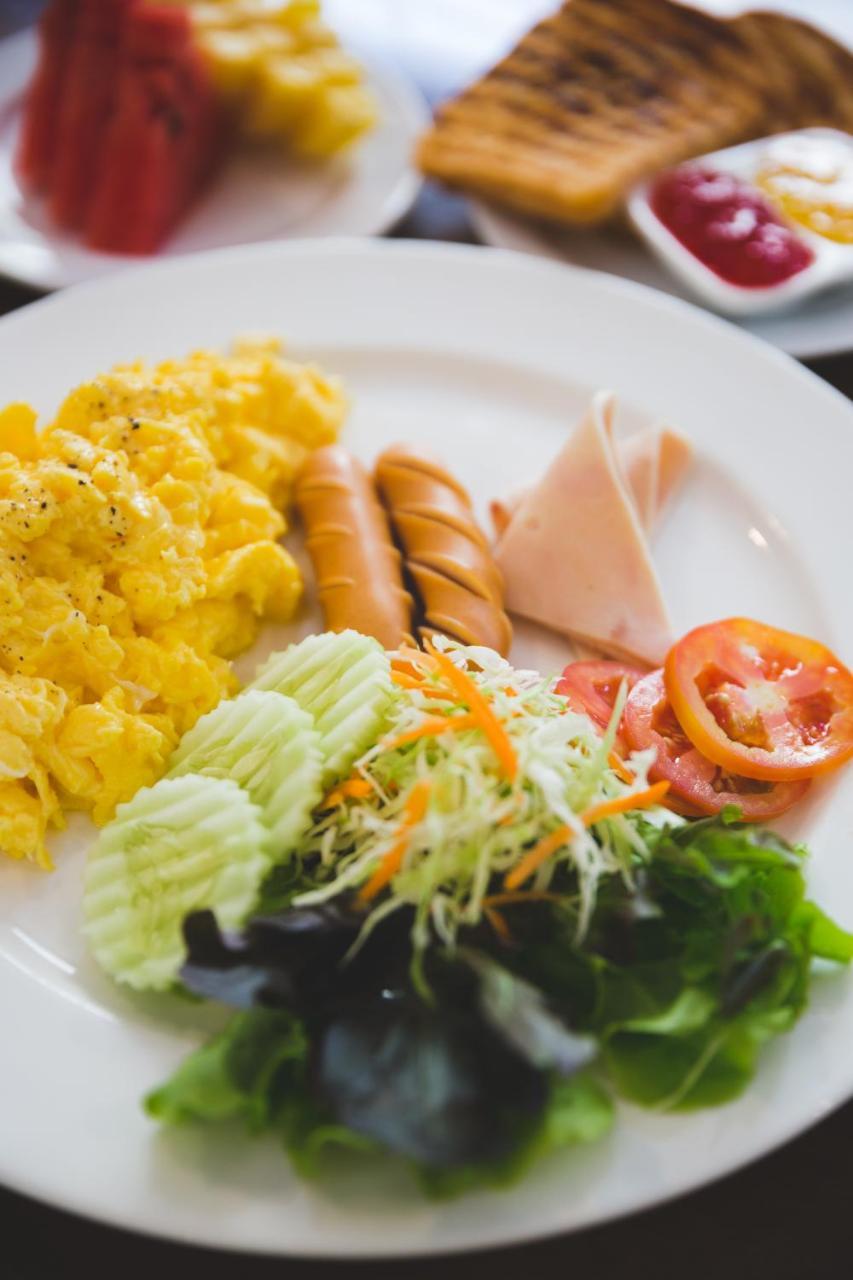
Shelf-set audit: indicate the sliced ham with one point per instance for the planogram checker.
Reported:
(575, 556)
(653, 462)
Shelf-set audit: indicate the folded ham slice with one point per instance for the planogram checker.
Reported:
(653, 462)
(575, 556)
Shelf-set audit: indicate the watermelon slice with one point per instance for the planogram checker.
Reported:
(87, 102)
(165, 137)
(35, 150)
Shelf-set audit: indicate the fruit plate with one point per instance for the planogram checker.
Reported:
(255, 197)
(487, 357)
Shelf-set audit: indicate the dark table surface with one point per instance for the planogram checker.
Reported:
(787, 1216)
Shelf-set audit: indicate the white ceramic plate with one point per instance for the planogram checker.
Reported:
(822, 325)
(256, 197)
(487, 357)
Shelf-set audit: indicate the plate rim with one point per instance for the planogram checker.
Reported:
(434, 252)
(496, 228)
(342, 245)
(419, 1250)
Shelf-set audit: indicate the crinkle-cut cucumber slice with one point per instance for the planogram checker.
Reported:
(179, 846)
(344, 680)
(268, 744)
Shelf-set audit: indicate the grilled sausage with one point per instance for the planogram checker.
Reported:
(357, 566)
(446, 554)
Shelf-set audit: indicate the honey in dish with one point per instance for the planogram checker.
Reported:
(810, 180)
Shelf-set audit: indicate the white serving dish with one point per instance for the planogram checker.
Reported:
(489, 357)
(833, 262)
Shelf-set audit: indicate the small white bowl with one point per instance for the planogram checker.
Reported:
(832, 264)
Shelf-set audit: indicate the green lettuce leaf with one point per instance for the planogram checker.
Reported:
(579, 1110)
(827, 940)
(241, 1074)
(312, 1138)
(687, 973)
(689, 966)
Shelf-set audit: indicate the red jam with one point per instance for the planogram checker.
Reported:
(728, 226)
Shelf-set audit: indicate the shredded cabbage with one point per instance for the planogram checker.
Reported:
(478, 825)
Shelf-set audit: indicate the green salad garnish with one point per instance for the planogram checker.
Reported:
(491, 932)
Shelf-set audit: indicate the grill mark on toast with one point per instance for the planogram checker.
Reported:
(605, 91)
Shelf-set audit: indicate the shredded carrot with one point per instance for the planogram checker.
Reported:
(404, 653)
(619, 767)
(417, 683)
(498, 923)
(479, 707)
(623, 804)
(404, 680)
(410, 661)
(549, 844)
(510, 692)
(356, 788)
(413, 812)
(431, 728)
(534, 857)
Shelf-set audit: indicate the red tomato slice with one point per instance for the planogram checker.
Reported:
(760, 702)
(592, 687)
(696, 784)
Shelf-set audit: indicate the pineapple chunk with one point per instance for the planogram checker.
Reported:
(284, 74)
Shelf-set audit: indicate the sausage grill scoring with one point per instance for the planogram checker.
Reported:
(360, 571)
(446, 553)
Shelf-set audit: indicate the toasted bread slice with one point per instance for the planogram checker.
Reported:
(606, 92)
(819, 73)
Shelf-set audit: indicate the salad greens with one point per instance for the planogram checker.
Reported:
(684, 972)
(468, 1087)
(488, 932)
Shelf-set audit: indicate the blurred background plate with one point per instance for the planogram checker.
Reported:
(256, 196)
(822, 326)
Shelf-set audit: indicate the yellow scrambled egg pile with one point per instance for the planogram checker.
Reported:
(138, 554)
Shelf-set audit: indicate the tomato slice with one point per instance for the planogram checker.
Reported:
(760, 702)
(696, 784)
(592, 687)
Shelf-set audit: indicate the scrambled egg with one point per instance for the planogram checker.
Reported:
(139, 553)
